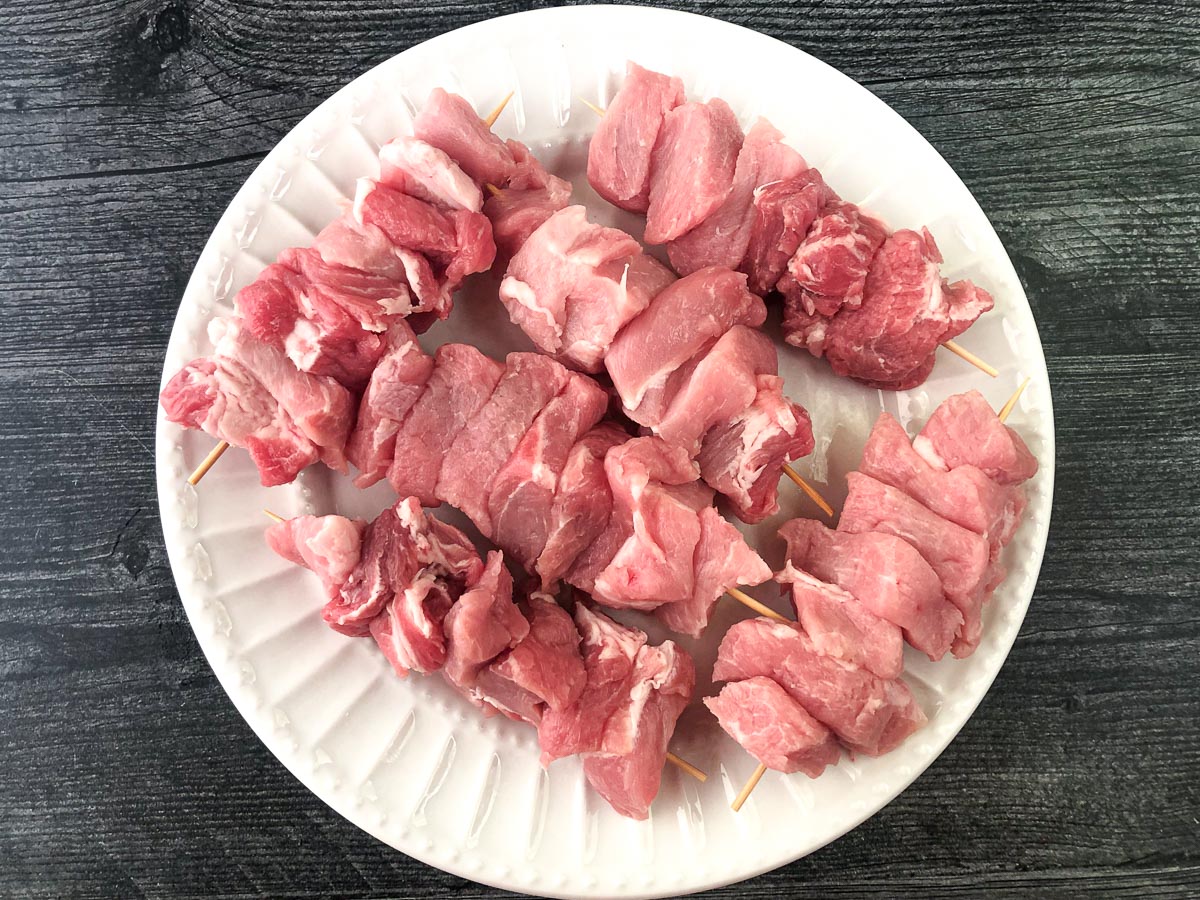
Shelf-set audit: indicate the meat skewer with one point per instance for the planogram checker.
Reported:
(211, 459)
(761, 769)
(784, 186)
(457, 616)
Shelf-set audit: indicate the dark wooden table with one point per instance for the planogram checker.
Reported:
(125, 128)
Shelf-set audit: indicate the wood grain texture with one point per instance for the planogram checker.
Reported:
(127, 126)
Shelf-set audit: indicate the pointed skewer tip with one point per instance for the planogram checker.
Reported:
(1012, 401)
(736, 805)
(209, 462)
(593, 107)
(964, 353)
(491, 117)
(809, 490)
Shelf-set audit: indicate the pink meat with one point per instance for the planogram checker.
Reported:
(654, 488)
(829, 268)
(958, 556)
(965, 431)
(609, 652)
(868, 714)
(744, 456)
(906, 312)
(716, 386)
(329, 546)
(482, 624)
(783, 213)
(885, 574)
(547, 662)
(395, 386)
(372, 300)
(516, 214)
(723, 238)
(250, 395)
(582, 503)
(691, 168)
(424, 562)
(841, 627)
(521, 500)
(964, 494)
(406, 221)
(679, 322)
(423, 171)
(283, 309)
(660, 689)
(347, 242)
(619, 153)
(461, 383)
(488, 439)
(594, 559)
(449, 123)
(774, 728)
(603, 302)
(722, 560)
(542, 277)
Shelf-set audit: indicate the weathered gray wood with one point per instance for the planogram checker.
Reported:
(124, 130)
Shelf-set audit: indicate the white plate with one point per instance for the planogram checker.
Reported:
(408, 761)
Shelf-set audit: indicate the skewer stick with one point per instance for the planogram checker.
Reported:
(593, 107)
(970, 357)
(209, 462)
(750, 785)
(491, 118)
(1012, 401)
(493, 190)
(272, 516)
(809, 490)
(746, 600)
(686, 766)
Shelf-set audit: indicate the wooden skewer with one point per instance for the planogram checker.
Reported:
(491, 117)
(970, 357)
(272, 516)
(746, 600)
(686, 766)
(1012, 401)
(809, 490)
(209, 462)
(593, 107)
(750, 785)
(493, 190)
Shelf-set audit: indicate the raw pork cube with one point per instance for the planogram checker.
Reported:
(609, 652)
(723, 238)
(396, 384)
(521, 501)
(722, 560)
(448, 122)
(841, 627)
(619, 153)
(964, 494)
(868, 714)
(482, 624)
(547, 270)
(691, 168)
(958, 556)
(407, 222)
(743, 457)
(547, 662)
(516, 214)
(885, 574)
(582, 503)
(421, 170)
(327, 545)
(964, 430)
(774, 728)
(654, 489)
(661, 686)
(679, 322)
(783, 212)
(829, 268)
(461, 383)
(603, 302)
(716, 387)
(907, 311)
(250, 395)
(488, 439)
